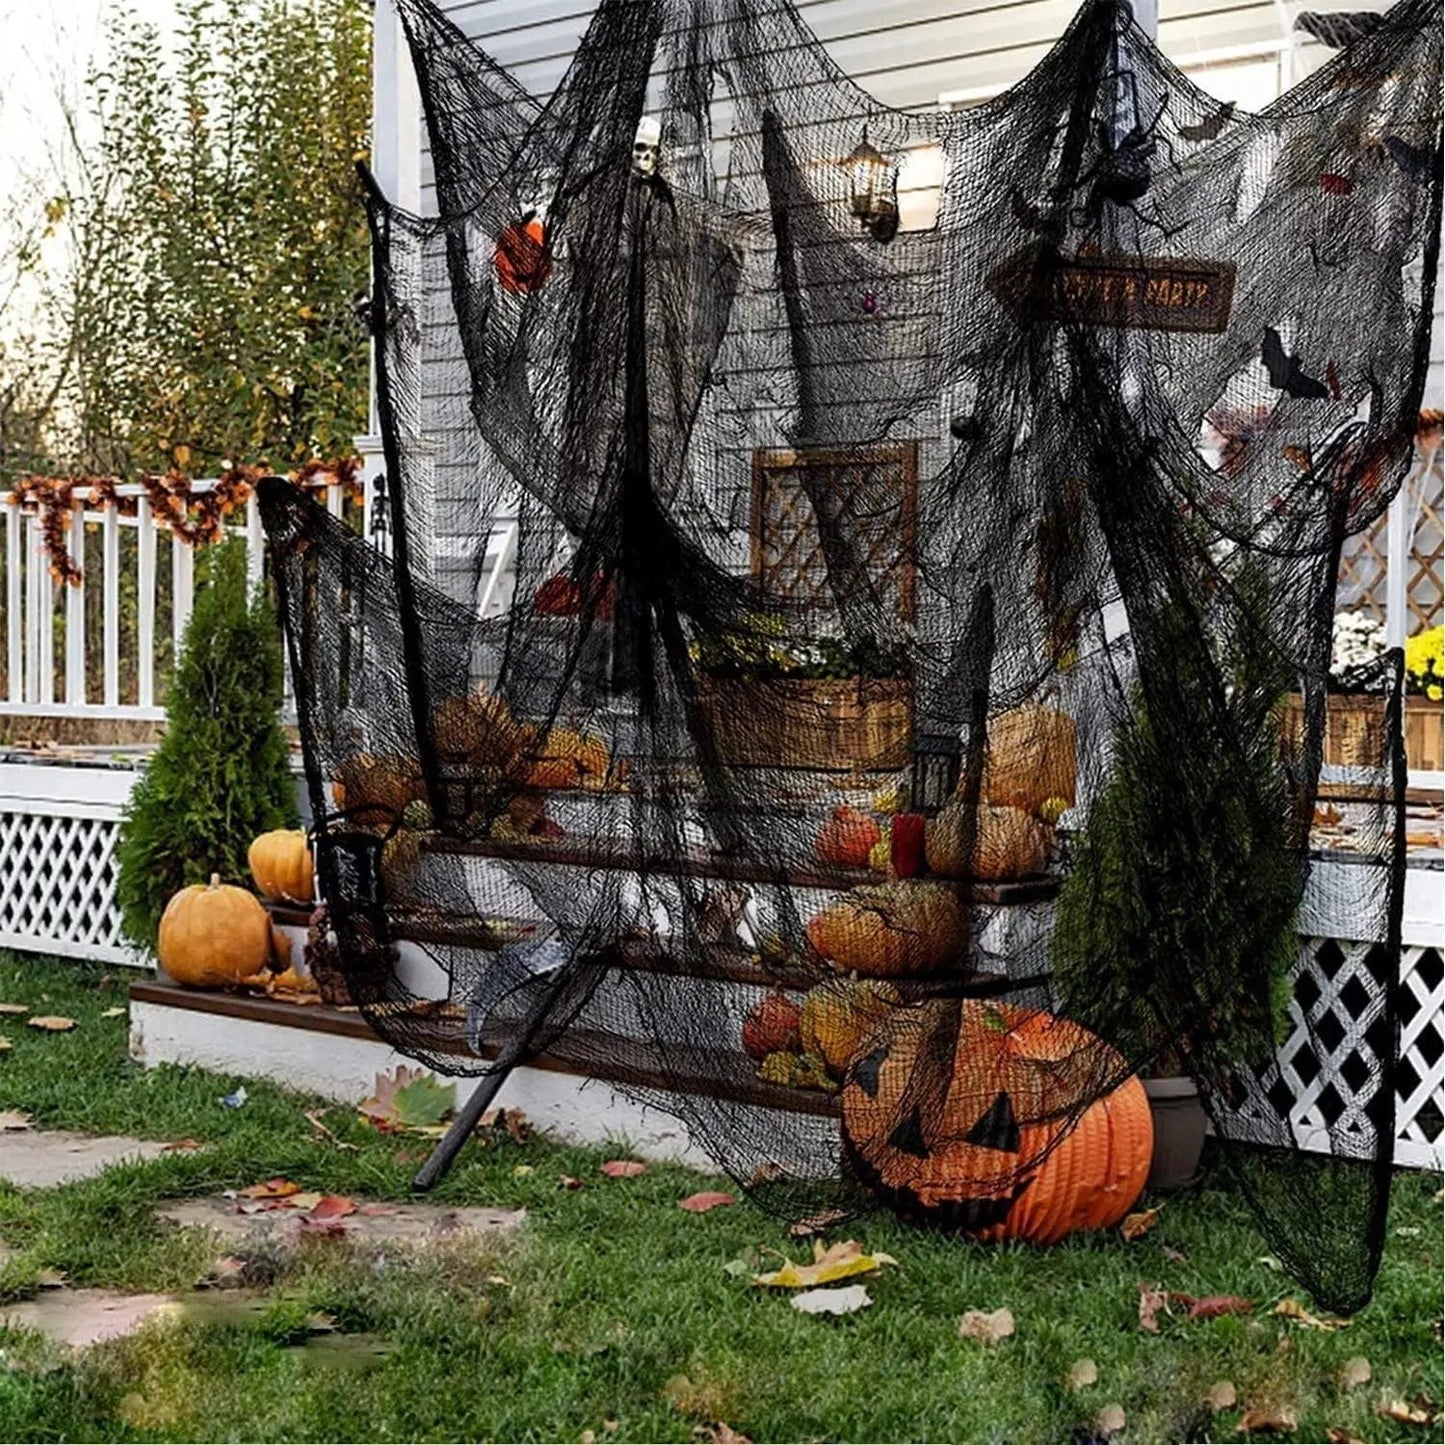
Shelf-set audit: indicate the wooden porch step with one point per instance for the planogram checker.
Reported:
(597, 854)
(610, 1058)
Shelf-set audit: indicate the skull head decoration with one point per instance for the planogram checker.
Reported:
(647, 147)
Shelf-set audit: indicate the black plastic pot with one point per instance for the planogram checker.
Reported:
(1179, 1121)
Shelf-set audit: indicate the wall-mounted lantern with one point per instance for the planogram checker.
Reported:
(871, 190)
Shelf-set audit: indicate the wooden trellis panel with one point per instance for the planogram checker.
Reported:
(876, 492)
(1364, 564)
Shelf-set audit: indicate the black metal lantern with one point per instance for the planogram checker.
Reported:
(937, 759)
(870, 190)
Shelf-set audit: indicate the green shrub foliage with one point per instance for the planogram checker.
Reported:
(220, 775)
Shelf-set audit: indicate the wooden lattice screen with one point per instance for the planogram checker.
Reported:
(1364, 563)
(876, 493)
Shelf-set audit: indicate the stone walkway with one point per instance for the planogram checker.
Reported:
(41, 1159)
(79, 1318)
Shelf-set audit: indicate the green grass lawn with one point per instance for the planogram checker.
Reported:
(612, 1312)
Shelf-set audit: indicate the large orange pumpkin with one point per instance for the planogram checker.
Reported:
(569, 759)
(478, 728)
(1030, 758)
(281, 865)
(889, 929)
(213, 934)
(1014, 1141)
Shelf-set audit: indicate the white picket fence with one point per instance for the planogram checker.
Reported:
(41, 627)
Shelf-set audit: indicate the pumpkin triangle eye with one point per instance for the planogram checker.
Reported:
(997, 1129)
(865, 1071)
(907, 1138)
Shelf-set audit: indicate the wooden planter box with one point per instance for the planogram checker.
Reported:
(1355, 731)
(827, 726)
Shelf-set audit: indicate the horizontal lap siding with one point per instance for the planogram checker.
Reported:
(905, 53)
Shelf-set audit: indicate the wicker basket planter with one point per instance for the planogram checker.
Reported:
(1355, 730)
(824, 725)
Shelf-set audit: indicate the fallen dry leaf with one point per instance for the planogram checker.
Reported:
(12, 1121)
(308, 1199)
(318, 1322)
(225, 1273)
(371, 1211)
(1174, 1256)
(622, 1168)
(314, 1118)
(1082, 1374)
(831, 1263)
(516, 1124)
(524, 1171)
(1110, 1420)
(1213, 1305)
(181, 1146)
(14, 1010)
(5, 1044)
(333, 1206)
(707, 1199)
(113, 1013)
(1293, 1310)
(277, 1188)
(1413, 1412)
(718, 1433)
(48, 1278)
(327, 1228)
(570, 1181)
(406, 1098)
(1354, 1373)
(1152, 1299)
(1336, 1436)
(1221, 1395)
(990, 1326)
(1278, 1418)
(1136, 1226)
(51, 1023)
(816, 1223)
(842, 1300)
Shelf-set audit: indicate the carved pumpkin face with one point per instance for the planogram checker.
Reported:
(976, 1116)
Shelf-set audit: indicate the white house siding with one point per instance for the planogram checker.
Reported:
(908, 54)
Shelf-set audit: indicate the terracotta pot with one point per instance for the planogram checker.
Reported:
(1179, 1121)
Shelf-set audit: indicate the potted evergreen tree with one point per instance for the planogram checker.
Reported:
(220, 775)
(1176, 932)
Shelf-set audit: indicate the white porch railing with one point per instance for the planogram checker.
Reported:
(107, 648)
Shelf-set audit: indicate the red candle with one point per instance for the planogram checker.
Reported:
(906, 851)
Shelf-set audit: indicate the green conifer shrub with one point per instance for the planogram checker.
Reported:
(220, 774)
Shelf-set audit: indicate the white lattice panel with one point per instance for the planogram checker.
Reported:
(59, 894)
(1328, 1068)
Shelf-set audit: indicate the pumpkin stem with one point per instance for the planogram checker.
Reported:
(215, 880)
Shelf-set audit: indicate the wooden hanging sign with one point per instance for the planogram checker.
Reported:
(1140, 293)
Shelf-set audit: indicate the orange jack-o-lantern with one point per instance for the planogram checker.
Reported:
(988, 1118)
(523, 262)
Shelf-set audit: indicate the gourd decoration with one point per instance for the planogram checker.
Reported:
(891, 929)
(281, 866)
(1030, 760)
(1003, 1148)
(987, 843)
(478, 729)
(522, 261)
(847, 839)
(569, 759)
(839, 1014)
(373, 791)
(213, 934)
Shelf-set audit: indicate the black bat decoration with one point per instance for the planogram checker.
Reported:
(1416, 162)
(1284, 371)
(1338, 31)
(1211, 125)
(1025, 213)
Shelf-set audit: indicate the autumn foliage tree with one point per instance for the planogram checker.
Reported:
(213, 243)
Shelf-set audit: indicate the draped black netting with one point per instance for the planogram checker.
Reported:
(919, 525)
